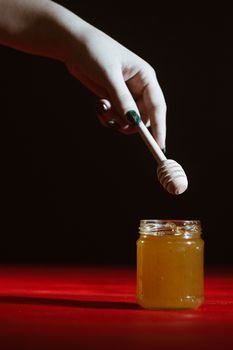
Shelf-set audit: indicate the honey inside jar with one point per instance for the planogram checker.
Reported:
(170, 264)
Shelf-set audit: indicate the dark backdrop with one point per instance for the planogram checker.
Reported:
(73, 191)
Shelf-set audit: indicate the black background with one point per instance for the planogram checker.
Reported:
(73, 191)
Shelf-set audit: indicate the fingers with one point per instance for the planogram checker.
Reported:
(155, 108)
(150, 105)
(108, 117)
(122, 100)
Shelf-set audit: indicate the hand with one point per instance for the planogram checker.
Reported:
(113, 72)
(110, 70)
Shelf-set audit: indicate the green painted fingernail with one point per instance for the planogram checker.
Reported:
(113, 124)
(133, 117)
(101, 108)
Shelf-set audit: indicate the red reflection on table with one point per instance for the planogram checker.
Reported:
(94, 308)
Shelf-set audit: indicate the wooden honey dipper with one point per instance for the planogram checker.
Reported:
(170, 174)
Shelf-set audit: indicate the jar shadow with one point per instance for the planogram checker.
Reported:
(5, 299)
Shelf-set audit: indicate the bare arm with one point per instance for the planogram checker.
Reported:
(39, 26)
(107, 68)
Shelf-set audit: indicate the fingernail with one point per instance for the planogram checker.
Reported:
(113, 124)
(133, 117)
(101, 108)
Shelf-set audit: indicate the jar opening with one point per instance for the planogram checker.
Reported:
(169, 227)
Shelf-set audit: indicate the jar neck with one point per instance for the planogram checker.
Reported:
(183, 228)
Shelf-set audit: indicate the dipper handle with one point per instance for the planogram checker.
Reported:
(149, 140)
(170, 174)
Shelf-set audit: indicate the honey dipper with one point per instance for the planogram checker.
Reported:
(170, 174)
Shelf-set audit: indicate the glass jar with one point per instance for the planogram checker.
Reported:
(170, 264)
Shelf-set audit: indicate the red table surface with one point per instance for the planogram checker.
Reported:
(95, 308)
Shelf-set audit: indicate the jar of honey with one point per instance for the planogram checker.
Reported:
(170, 264)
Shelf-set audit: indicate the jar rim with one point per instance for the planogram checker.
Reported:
(169, 227)
(190, 221)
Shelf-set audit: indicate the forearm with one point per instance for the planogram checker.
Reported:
(103, 65)
(40, 27)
